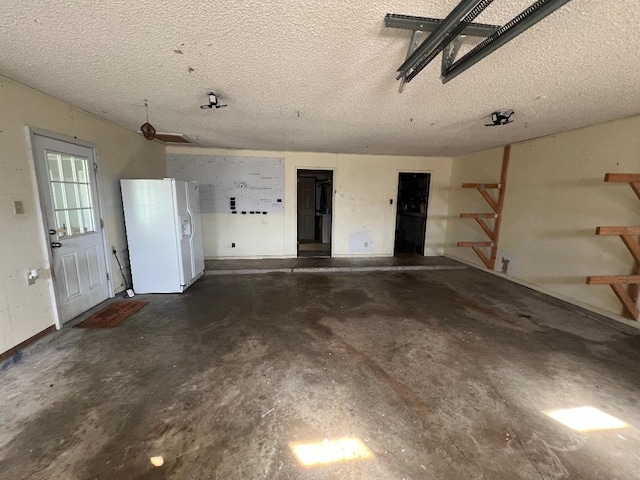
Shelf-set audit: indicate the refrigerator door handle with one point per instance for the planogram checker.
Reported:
(190, 224)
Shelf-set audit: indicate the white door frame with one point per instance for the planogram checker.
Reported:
(333, 203)
(30, 133)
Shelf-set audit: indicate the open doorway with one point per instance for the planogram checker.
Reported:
(315, 205)
(411, 213)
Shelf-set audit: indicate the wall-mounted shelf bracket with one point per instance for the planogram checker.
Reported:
(481, 218)
(626, 287)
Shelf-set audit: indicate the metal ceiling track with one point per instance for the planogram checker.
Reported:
(446, 36)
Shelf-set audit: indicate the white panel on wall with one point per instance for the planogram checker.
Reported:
(233, 184)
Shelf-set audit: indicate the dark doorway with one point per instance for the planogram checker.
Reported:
(411, 213)
(315, 205)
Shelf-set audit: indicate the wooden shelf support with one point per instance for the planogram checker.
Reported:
(633, 179)
(483, 257)
(616, 283)
(632, 245)
(496, 205)
(628, 235)
(626, 287)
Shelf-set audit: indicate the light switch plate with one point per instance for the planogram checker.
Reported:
(18, 207)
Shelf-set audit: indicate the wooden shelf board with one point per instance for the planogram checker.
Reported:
(618, 231)
(613, 280)
(622, 177)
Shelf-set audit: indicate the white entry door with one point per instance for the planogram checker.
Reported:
(68, 190)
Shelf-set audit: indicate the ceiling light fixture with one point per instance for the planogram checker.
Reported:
(501, 117)
(214, 101)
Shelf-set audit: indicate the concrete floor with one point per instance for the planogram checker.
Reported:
(441, 374)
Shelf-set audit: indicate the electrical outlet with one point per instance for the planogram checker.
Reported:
(233, 245)
(32, 276)
(113, 249)
(18, 207)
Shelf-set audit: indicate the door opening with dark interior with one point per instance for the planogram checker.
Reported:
(315, 206)
(411, 213)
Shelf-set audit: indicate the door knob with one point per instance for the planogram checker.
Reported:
(52, 232)
(56, 244)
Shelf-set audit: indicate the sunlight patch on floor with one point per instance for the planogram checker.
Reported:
(586, 419)
(330, 451)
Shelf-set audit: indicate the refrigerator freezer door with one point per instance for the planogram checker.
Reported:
(196, 237)
(183, 229)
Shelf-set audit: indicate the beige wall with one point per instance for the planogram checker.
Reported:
(364, 184)
(27, 310)
(554, 200)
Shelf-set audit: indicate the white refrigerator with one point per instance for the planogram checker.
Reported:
(164, 233)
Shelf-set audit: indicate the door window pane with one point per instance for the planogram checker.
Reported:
(71, 191)
(83, 193)
(54, 166)
(87, 216)
(81, 172)
(58, 195)
(68, 168)
(63, 221)
(75, 222)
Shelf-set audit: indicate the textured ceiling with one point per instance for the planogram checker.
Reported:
(320, 76)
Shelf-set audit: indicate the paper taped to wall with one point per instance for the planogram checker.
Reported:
(234, 185)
